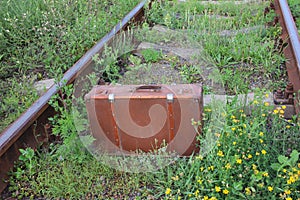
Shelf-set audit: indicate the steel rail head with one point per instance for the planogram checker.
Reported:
(292, 30)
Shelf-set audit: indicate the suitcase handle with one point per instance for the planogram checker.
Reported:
(155, 88)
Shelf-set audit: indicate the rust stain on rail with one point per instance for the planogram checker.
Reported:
(291, 37)
(30, 129)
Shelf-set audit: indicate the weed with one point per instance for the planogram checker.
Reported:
(107, 65)
(151, 55)
(190, 74)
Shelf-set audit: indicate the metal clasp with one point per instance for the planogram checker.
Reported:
(170, 97)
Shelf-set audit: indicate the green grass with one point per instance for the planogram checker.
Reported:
(42, 39)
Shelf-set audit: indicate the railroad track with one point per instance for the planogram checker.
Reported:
(23, 132)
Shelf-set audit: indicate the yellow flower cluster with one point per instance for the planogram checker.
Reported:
(224, 191)
(279, 111)
(293, 177)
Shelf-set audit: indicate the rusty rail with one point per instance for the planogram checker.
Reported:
(291, 37)
(30, 129)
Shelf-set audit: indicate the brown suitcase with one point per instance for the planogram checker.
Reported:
(127, 118)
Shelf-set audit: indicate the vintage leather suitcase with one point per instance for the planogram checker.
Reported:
(127, 118)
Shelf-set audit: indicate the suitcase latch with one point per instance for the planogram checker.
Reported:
(170, 97)
(111, 97)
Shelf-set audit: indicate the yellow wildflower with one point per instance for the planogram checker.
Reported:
(263, 114)
(288, 126)
(211, 168)
(196, 193)
(261, 134)
(168, 191)
(234, 143)
(213, 198)
(225, 191)
(263, 152)
(248, 191)
(249, 156)
(205, 198)
(176, 178)
(199, 181)
(265, 174)
(257, 153)
(241, 111)
(233, 128)
(270, 188)
(244, 125)
(255, 102)
(283, 107)
(232, 117)
(220, 153)
(254, 166)
(200, 157)
(228, 166)
(239, 161)
(275, 111)
(281, 111)
(267, 103)
(289, 198)
(201, 169)
(218, 189)
(267, 95)
(261, 185)
(287, 191)
(261, 140)
(207, 110)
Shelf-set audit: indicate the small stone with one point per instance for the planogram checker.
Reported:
(43, 85)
